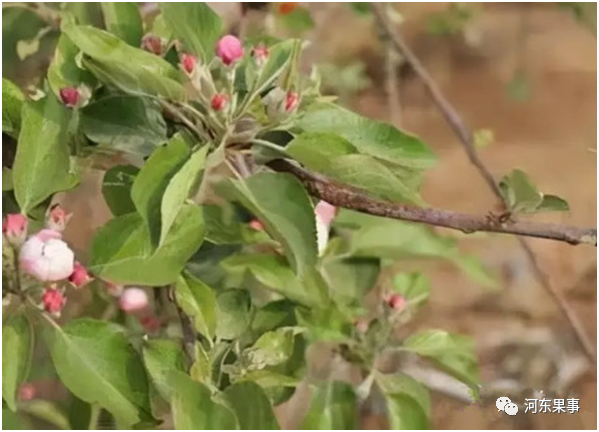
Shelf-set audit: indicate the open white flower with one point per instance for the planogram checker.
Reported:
(46, 257)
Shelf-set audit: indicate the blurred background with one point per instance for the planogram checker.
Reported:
(524, 77)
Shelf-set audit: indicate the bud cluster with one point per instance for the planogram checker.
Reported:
(46, 257)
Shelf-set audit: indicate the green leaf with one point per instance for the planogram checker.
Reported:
(367, 173)
(336, 157)
(160, 357)
(179, 188)
(116, 189)
(201, 369)
(17, 349)
(279, 313)
(414, 287)
(12, 101)
(278, 59)
(350, 278)
(450, 352)
(12, 421)
(233, 315)
(198, 301)
(329, 324)
(393, 239)
(123, 20)
(252, 407)
(223, 225)
(275, 274)
(194, 409)
(520, 194)
(131, 69)
(272, 348)
(127, 123)
(315, 150)
(42, 153)
(122, 250)
(408, 402)
(553, 203)
(95, 361)
(154, 178)
(195, 24)
(64, 71)
(284, 207)
(368, 136)
(47, 412)
(333, 406)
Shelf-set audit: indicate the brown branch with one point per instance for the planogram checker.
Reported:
(466, 137)
(349, 197)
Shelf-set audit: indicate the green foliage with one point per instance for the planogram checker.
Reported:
(408, 401)
(453, 353)
(522, 196)
(161, 356)
(17, 349)
(96, 362)
(42, 153)
(122, 250)
(127, 123)
(183, 22)
(283, 206)
(370, 137)
(194, 408)
(252, 407)
(130, 69)
(263, 288)
(123, 20)
(116, 189)
(12, 101)
(234, 313)
(198, 301)
(333, 406)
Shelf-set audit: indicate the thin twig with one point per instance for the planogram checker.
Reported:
(466, 137)
(341, 195)
(391, 75)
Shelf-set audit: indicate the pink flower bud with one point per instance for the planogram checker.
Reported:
(80, 276)
(229, 49)
(396, 301)
(57, 218)
(27, 391)
(257, 225)
(326, 212)
(15, 228)
(69, 96)
(152, 43)
(291, 101)
(133, 300)
(219, 101)
(46, 257)
(53, 300)
(150, 323)
(260, 54)
(188, 63)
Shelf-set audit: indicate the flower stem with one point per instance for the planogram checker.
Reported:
(269, 145)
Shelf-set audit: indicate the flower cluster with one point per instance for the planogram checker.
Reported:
(46, 257)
